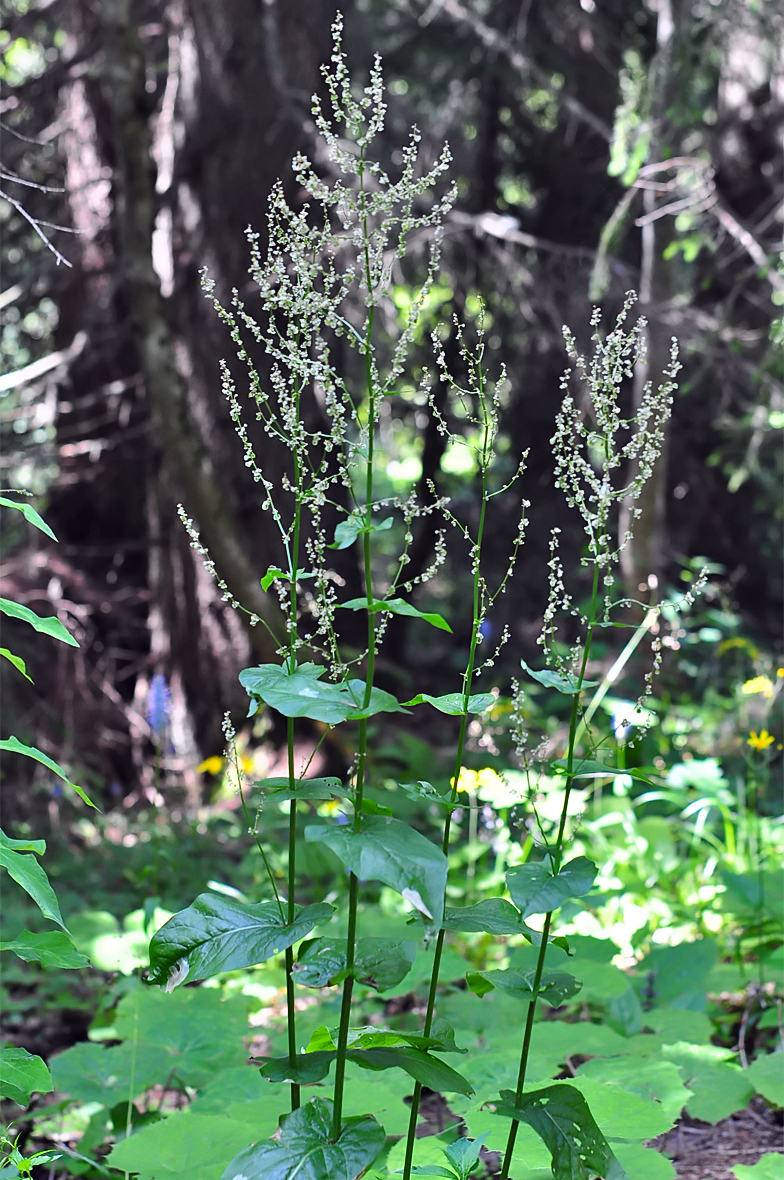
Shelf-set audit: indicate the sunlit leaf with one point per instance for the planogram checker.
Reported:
(52, 950)
(29, 513)
(535, 889)
(453, 703)
(181, 1147)
(221, 934)
(397, 606)
(14, 746)
(17, 661)
(494, 915)
(389, 851)
(47, 626)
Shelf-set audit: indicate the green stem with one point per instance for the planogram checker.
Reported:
(468, 677)
(290, 1009)
(353, 888)
(557, 860)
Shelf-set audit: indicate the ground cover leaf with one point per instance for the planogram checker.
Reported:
(766, 1074)
(679, 971)
(218, 933)
(180, 1147)
(535, 889)
(379, 963)
(389, 1092)
(54, 949)
(660, 1080)
(622, 1113)
(644, 1163)
(22, 1074)
(769, 1167)
(91, 1072)
(719, 1087)
(680, 1024)
(561, 1117)
(305, 1149)
(389, 851)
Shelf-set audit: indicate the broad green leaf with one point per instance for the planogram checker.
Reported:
(27, 872)
(602, 982)
(305, 1148)
(564, 682)
(27, 845)
(536, 890)
(53, 949)
(555, 986)
(242, 1094)
(380, 701)
(494, 915)
(426, 792)
(47, 626)
(379, 963)
(719, 1088)
(389, 851)
(768, 1167)
(422, 1067)
(220, 934)
(587, 768)
(644, 1163)
(199, 1031)
(22, 1074)
(305, 1069)
(766, 1075)
(659, 1080)
(624, 1012)
(562, 1119)
(397, 606)
(348, 530)
(679, 971)
(442, 1038)
(14, 746)
(89, 1072)
(390, 1091)
(17, 661)
(621, 1113)
(308, 788)
(453, 703)
(298, 694)
(679, 1024)
(29, 513)
(181, 1147)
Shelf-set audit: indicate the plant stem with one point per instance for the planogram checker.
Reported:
(353, 888)
(468, 677)
(556, 857)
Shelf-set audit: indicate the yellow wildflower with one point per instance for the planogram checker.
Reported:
(213, 765)
(468, 780)
(489, 778)
(758, 684)
(761, 741)
(780, 672)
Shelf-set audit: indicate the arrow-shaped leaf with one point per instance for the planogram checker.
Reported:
(387, 850)
(22, 1074)
(565, 682)
(379, 963)
(30, 515)
(587, 768)
(309, 788)
(562, 1119)
(221, 934)
(14, 746)
(494, 915)
(397, 606)
(535, 889)
(453, 703)
(47, 626)
(27, 872)
(555, 987)
(52, 949)
(306, 1149)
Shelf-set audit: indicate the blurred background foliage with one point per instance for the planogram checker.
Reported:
(597, 147)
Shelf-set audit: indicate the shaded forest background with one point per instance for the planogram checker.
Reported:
(598, 146)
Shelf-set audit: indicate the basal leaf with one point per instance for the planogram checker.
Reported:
(22, 1074)
(17, 661)
(564, 682)
(766, 1075)
(27, 872)
(90, 1072)
(494, 915)
(305, 1149)
(52, 950)
(659, 1080)
(719, 1087)
(389, 851)
(47, 626)
(560, 1116)
(767, 1167)
(183, 1146)
(453, 703)
(397, 606)
(14, 746)
(29, 513)
(220, 934)
(535, 889)
(555, 987)
(379, 963)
